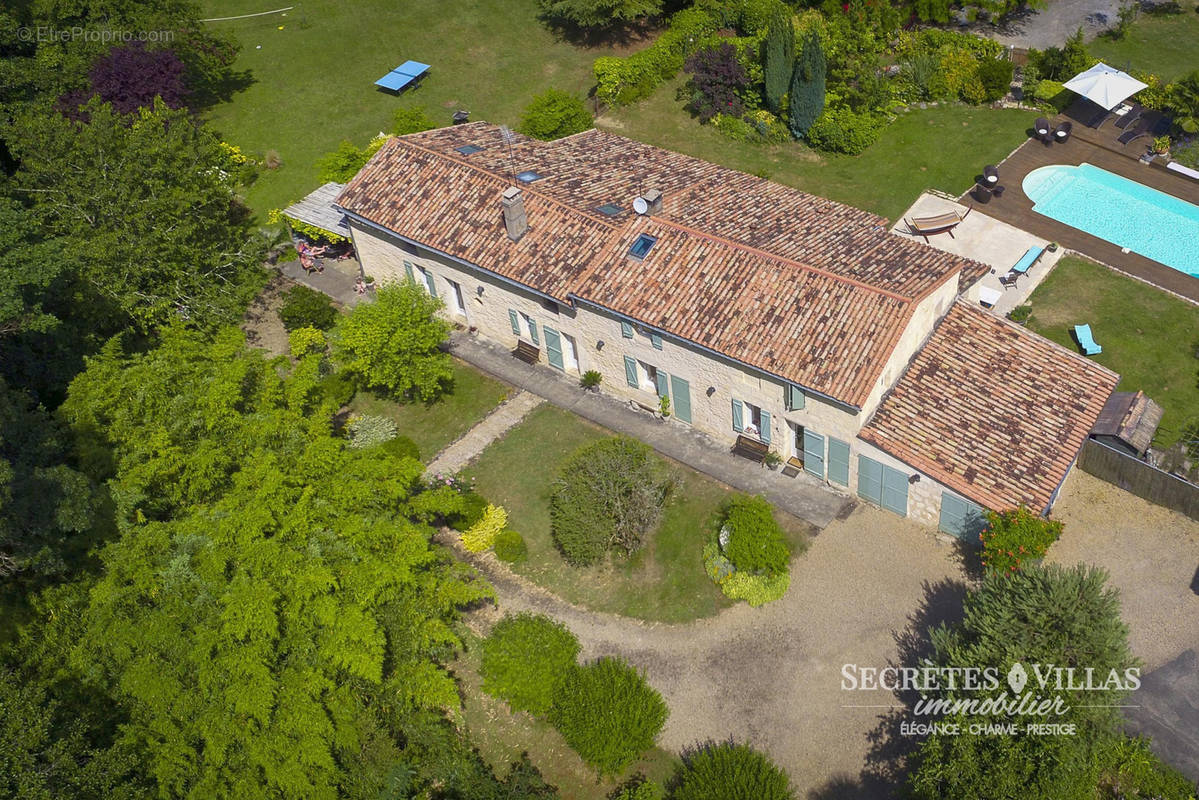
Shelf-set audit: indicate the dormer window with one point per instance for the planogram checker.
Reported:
(467, 149)
(528, 176)
(641, 247)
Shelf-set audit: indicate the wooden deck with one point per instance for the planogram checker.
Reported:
(1099, 148)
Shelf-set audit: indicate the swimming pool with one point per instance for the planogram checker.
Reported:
(1126, 213)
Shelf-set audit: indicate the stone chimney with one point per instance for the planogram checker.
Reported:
(514, 213)
(653, 198)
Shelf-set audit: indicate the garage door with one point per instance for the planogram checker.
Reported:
(961, 518)
(883, 485)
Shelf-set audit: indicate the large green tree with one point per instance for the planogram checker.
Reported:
(807, 86)
(144, 210)
(1051, 617)
(269, 586)
(778, 57)
(394, 344)
(597, 14)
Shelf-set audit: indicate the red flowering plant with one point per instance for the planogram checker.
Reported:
(1013, 537)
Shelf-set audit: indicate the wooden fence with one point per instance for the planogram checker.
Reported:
(1142, 479)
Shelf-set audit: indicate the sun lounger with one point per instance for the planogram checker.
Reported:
(1086, 341)
(1098, 119)
(1008, 281)
(1135, 132)
(1131, 116)
(941, 223)
(1030, 257)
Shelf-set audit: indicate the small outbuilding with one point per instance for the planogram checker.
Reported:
(1128, 422)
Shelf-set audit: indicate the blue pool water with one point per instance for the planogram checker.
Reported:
(1152, 223)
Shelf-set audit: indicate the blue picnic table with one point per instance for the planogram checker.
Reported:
(402, 75)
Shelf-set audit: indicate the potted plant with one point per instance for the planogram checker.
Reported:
(369, 281)
(1161, 145)
(664, 406)
(1052, 247)
(1020, 314)
(591, 380)
(772, 459)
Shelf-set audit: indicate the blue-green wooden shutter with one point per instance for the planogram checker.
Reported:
(533, 331)
(630, 371)
(682, 397)
(553, 348)
(870, 479)
(408, 269)
(626, 330)
(813, 453)
(961, 518)
(764, 434)
(429, 281)
(738, 426)
(515, 321)
(663, 381)
(895, 491)
(795, 397)
(838, 461)
(656, 341)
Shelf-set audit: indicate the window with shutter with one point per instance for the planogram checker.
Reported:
(738, 416)
(626, 330)
(681, 390)
(553, 348)
(430, 283)
(656, 341)
(663, 381)
(409, 271)
(838, 461)
(630, 371)
(515, 321)
(795, 397)
(764, 433)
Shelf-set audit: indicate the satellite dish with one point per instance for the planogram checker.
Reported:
(640, 206)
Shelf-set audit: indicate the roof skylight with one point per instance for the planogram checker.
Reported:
(467, 149)
(528, 176)
(641, 247)
(609, 209)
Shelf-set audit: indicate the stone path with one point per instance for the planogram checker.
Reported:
(801, 496)
(452, 459)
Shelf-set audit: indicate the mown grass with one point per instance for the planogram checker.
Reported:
(434, 425)
(936, 148)
(314, 79)
(664, 580)
(1164, 44)
(1150, 337)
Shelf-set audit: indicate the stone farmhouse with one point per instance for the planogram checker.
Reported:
(760, 311)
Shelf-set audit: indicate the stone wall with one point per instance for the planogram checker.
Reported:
(715, 381)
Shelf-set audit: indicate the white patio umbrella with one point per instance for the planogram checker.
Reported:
(1104, 85)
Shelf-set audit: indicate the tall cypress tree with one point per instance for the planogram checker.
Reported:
(807, 86)
(778, 57)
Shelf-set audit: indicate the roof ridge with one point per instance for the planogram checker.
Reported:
(539, 195)
(783, 259)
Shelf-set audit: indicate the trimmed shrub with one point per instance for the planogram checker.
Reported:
(717, 81)
(510, 547)
(609, 495)
(757, 590)
(411, 120)
(755, 540)
(637, 787)
(370, 430)
(554, 114)
(474, 507)
(995, 74)
(1014, 537)
(303, 341)
(808, 87)
(729, 771)
(402, 447)
(304, 308)
(756, 127)
(525, 659)
(620, 81)
(608, 714)
(840, 130)
(481, 536)
(778, 57)
(1053, 93)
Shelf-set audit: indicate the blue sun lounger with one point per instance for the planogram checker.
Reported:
(402, 75)
(1086, 341)
(1029, 258)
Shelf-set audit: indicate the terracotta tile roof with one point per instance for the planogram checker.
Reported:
(990, 410)
(592, 168)
(813, 291)
(455, 208)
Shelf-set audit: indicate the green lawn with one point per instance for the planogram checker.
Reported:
(665, 580)
(502, 735)
(1165, 45)
(314, 80)
(434, 426)
(1151, 338)
(938, 148)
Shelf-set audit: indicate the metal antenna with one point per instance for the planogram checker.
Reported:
(506, 135)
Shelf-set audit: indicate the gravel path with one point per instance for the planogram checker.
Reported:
(450, 460)
(1052, 26)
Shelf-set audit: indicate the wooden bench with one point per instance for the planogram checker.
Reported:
(529, 353)
(751, 448)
